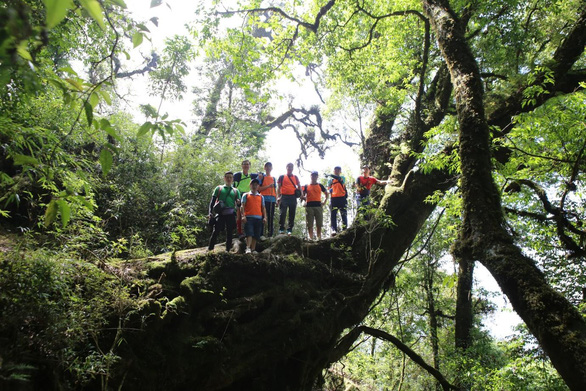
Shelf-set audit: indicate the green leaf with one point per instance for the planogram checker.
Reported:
(50, 213)
(106, 97)
(95, 10)
(65, 210)
(68, 70)
(21, 160)
(56, 11)
(156, 3)
(137, 39)
(119, 3)
(94, 99)
(22, 51)
(142, 27)
(144, 129)
(89, 112)
(106, 160)
(104, 123)
(78, 86)
(112, 132)
(155, 21)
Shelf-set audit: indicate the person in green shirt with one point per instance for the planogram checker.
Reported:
(225, 218)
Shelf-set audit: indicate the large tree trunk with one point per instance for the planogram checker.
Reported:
(558, 326)
(271, 321)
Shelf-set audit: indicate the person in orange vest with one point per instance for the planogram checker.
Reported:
(339, 199)
(253, 215)
(363, 185)
(242, 183)
(313, 207)
(287, 193)
(268, 189)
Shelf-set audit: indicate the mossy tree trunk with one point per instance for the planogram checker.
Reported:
(553, 320)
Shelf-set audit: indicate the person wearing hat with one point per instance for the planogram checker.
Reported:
(363, 185)
(312, 195)
(253, 214)
(339, 200)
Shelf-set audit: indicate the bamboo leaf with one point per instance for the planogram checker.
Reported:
(65, 210)
(50, 213)
(21, 160)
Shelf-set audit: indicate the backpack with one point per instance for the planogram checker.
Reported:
(220, 204)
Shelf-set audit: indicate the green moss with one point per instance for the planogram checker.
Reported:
(176, 307)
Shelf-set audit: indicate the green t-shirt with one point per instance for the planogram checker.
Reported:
(227, 194)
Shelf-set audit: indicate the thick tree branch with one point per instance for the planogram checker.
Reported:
(416, 358)
(559, 216)
(311, 26)
(564, 81)
(378, 18)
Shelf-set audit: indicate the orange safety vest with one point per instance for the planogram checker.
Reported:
(337, 188)
(287, 184)
(313, 192)
(268, 180)
(253, 205)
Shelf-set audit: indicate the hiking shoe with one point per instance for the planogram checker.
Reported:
(263, 238)
(254, 252)
(248, 251)
(281, 231)
(289, 232)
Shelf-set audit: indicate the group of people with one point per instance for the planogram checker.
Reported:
(247, 202)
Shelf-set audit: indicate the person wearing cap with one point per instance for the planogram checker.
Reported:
(287, 199)
(363, 185)
(268, 189)
(312, 194)
(253, 215)
(338, 200)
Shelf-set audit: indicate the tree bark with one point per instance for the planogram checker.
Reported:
(557, 325)
(464, 316)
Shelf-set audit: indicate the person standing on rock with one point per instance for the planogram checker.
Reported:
(339, 200)
(268, 189)
(312, 194)
(222, 211)
(253, 215)
(242, 183)
(288, 191)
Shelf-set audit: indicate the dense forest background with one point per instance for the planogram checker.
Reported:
(475, 110)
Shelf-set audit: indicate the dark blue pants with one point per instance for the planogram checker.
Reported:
(287, 202)
(223, 221)
(338, 204)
